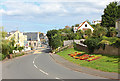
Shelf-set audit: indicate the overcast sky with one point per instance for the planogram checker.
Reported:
(44, 15)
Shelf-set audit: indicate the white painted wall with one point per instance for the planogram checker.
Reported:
(88, 26)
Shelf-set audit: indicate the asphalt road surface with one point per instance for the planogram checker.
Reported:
(40, 66)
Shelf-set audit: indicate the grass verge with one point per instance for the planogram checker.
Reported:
(105, 63)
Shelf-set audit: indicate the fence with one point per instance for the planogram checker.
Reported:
(70, 42)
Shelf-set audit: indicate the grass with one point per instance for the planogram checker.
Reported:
(106, 63)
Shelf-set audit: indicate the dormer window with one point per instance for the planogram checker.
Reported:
(85, 25)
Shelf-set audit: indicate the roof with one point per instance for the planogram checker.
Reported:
(10, 33)
(83, 23)
(118, 19)
(31, 36)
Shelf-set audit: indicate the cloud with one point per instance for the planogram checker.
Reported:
(28, 9)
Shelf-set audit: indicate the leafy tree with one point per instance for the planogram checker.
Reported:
(70, 36)
(118, 11)
(112, 32)
(77, 36)
(50, 34)
(88, 32)
(56, 41)
(11, 45)
(3, 33)
(76, 25)
(99, 32)
(110, 15)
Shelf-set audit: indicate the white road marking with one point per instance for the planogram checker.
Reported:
(38, 68)
(57, 78)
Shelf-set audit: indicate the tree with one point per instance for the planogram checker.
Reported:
(76, 25)
(3, 33)
(88, 32)
(50, 34)
(118, 11)
(112, 32)
(11, 45)
(110, 15)
(99, 32)
(56, 41)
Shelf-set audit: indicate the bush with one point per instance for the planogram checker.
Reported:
(92, 44)
(117, 43)
(2, 56)
(110, 39)
(103, 43)
(20, 48)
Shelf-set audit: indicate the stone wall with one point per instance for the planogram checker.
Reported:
(82, 48)
(109, 50)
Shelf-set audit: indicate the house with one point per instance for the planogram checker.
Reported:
(67, 27)
(96, 22)
(33, 39)
(18, 36)
(84, 26)
(117, 25)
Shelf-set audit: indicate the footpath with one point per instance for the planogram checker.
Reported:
(70, 65)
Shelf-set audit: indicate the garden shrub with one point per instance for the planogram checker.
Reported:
(92, 44)
(103, 43)
(110, 39)
(20, 48)
(117, 43)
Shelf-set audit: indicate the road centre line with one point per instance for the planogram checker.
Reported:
(42, 70)
(38, 68)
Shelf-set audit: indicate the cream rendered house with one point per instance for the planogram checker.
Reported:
(117, 25)
(18, 37)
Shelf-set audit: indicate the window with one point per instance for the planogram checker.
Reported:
(30, 44)
(34, 44)
(85, 25)
(18, 37)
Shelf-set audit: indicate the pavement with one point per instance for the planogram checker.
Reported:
(86, 70)
(40, 65)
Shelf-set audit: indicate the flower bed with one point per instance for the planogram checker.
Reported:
(83, 56)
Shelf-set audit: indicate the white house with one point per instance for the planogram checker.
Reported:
(96, 22)
(84, 26)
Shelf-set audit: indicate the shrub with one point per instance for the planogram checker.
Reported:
(110, 39)
(103, 43)
(20, 48)
(92, 43)
(117, 43)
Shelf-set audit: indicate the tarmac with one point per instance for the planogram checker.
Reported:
(75, 67)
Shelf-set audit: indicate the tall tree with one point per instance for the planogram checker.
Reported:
(118, 11)
(110, 15)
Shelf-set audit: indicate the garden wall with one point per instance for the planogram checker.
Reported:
(109, 50)
(69, 42)
(82, 48)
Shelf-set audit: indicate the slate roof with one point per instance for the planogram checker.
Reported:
(118, 19)
(31, 36)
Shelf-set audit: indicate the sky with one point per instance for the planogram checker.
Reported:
(44, 15)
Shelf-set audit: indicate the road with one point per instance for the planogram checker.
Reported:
(40, 65)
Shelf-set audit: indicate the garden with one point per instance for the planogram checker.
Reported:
(107, 63)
